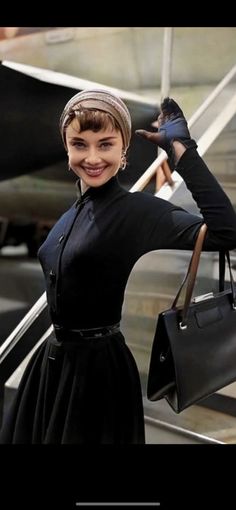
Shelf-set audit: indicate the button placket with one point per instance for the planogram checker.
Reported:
(64, 237)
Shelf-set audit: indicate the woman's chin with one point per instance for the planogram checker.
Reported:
(96, 180)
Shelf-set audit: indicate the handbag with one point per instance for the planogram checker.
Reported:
(194, 347)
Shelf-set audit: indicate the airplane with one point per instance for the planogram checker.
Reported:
(35, 186)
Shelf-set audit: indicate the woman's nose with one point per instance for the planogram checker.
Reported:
(92, 156)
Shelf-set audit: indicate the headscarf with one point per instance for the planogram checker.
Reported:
(105, 101)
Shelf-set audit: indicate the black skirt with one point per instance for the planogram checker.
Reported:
(80, 392)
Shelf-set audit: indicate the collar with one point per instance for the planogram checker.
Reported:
(99, 191)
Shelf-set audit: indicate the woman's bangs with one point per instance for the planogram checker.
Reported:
(95, 120)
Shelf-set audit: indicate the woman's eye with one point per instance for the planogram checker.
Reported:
(79, 145)
(106, 144)
(82, 145)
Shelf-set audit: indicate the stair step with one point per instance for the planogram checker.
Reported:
(196, 418)
(146, 304)
(162, 272)
(227, 435)
(159, 432)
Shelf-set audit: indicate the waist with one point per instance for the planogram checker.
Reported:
(63, 333)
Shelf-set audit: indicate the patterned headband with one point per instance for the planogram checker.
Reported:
(105, 101)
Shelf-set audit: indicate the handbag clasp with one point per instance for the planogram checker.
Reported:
(197, 299)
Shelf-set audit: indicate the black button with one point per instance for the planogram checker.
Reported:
(61, 238)
(52, 276)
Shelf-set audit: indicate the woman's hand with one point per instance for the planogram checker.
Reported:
(172, 126)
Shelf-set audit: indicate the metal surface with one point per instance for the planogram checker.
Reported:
(160, 432)
(166, 62)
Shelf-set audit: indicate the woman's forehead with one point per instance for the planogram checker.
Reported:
(109, 131)
(75, 126)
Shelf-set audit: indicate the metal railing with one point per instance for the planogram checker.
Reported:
(151, 170)
(23, 326)
(175, 430)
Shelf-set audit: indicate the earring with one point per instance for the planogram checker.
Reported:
(123, 161)
(69, 168)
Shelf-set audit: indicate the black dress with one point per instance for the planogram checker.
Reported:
(88, 391)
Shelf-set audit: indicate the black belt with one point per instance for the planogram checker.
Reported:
(62, 333)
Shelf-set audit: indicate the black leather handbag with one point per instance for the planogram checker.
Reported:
(194, 347)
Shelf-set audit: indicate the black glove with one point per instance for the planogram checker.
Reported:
(172, 126)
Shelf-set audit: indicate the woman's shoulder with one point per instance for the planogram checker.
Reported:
(148, 206)
(146, 199)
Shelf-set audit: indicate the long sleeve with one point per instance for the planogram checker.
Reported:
(175, 228)
(214, 205)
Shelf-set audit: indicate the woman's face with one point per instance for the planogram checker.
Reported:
(94, 157)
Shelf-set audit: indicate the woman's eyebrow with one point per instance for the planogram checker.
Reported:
(76, 138)
(107, 138)
(80, 139)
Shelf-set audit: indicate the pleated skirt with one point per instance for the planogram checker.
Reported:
(78, 392)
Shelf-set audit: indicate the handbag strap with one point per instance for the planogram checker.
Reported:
(221, 271)
(192, 273)
(222, 256)
(231, 279)
(192, 268)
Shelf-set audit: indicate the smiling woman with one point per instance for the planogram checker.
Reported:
(96, 129)
(82, 385)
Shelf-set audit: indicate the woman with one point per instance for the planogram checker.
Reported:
(82, 385)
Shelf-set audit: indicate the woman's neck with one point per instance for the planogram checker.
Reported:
(84, 187)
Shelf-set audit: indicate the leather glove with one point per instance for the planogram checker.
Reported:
(172, 126)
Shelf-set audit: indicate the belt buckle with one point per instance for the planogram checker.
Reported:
(97, 335)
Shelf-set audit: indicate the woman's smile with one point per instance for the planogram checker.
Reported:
(93, 171)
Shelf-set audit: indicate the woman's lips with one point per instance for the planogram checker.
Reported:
(93, 172)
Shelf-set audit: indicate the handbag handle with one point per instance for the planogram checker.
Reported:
(192, 273)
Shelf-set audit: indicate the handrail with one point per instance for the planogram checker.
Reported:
(147, 175)
(180, 430)
(212, 96)
(23, 326)
(18, 372)
(204, 142)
